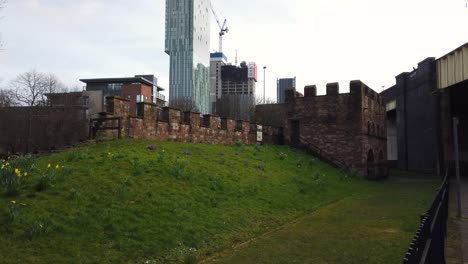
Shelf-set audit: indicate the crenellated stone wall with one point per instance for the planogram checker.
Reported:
(346, 129)
(171, 124)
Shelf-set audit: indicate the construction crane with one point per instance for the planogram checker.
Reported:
(223, 29)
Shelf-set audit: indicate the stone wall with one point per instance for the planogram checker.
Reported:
(346, 129)
(172, 124)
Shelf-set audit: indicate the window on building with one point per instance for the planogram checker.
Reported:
(139, 98)
(114, 87)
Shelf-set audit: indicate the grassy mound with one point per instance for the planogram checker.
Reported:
(133, 201)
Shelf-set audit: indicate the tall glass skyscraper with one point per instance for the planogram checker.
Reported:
(188, 45)
(281, 86)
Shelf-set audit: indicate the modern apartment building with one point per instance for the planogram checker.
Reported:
(188, 45)
(141, 88)
(281, 86)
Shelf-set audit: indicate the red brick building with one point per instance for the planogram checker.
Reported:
(136, 93)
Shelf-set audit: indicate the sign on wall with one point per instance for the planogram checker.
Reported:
(259, 133)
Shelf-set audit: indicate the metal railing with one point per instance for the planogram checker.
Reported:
(428, 244)
(160, 96)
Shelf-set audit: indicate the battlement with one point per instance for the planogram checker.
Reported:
(356, 89)
(345, 127)
(169, 123)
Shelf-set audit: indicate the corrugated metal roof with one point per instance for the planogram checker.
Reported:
(453, 67)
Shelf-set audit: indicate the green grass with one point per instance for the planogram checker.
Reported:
(122, 203)
(374, 226)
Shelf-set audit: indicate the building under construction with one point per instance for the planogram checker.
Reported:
(236, 98)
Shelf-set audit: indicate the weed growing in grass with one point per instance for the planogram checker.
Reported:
(260, 168)
(238, 148)
(137, 166)
(161, 156)
(213, 202)
(312, 162)
(124, 186)
(75, 194)
(299, 163)
(282, 156)
(216, 184)
(12, 210)
(110, 156)
(37, 229)
(180, 170)
(320, 181)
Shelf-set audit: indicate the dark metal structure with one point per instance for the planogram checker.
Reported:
(428, 244)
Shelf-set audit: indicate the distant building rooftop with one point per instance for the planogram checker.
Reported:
(218, 55)
(122, 80)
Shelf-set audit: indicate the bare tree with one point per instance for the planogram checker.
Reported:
(31, 88)
(28, 88)
(184, 103)
(6, 98)
(51, 84)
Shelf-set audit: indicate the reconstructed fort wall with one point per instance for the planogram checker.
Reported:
(172, 124)
(346, 129)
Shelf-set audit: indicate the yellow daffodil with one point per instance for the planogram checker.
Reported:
(25, 174)
(48, 166)
(18, 172)
(57, 167)
(13, 202)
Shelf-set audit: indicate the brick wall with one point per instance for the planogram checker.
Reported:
(172, 124)
(130, 92)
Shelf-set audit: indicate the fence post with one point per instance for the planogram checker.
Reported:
(120, 128)
(457, 163)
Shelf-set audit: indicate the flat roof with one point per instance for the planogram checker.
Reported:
(119, 80)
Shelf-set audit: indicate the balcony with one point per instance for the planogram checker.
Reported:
(159, 99)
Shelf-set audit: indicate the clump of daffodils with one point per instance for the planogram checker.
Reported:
(57, 167)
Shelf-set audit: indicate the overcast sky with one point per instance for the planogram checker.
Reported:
(316, 41)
